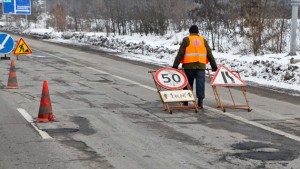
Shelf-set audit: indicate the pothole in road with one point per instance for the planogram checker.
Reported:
(91, 156)
(113, 106)
(61, 130)
(263, 152)
(84, 128)
(83, 92)
(84, 125)
(87, 155)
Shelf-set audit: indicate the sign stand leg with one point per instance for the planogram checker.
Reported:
(159, 88)
(5, 57)
(231, 95)
(218, 100)
(216, 94)
(247, 102)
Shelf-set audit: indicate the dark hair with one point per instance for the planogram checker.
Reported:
(194, 29)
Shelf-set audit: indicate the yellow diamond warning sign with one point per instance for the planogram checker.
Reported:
(22, 48)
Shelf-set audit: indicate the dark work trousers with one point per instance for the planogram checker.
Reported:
(199, 75)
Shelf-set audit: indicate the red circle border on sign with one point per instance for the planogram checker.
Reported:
(168, 87)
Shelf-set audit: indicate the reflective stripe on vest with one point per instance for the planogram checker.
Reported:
(196, 51)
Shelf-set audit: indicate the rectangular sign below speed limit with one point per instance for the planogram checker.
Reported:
(176, 95)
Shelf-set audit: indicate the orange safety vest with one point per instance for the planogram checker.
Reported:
(196, 51)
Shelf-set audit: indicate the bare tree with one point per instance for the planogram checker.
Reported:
(36, 11)
(256, 16)
(97, 13)
(59, 16)
(208, 12)
(262, 22)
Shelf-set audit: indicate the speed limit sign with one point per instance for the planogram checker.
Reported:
(170, 78)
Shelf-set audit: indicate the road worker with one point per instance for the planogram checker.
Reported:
(194, 53)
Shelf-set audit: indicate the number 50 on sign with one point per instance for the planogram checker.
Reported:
(170, 78)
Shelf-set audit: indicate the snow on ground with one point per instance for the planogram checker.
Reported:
(270, 70)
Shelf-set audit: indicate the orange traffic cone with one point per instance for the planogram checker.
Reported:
(45, 111)
(12, 79)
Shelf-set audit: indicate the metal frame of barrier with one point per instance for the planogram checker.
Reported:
(180, 106)
(234, 105)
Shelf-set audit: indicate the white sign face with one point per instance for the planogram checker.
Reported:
(170, 78)
(176, 95)
(225, 77)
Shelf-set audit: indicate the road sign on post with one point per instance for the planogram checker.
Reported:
(295, 4)
(22, 48)
(17, 7)
(6, 43)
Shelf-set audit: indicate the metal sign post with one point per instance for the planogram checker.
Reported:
(226, 78)
(295, 4)
(173, 87)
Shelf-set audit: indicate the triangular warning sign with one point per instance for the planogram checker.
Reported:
(225, 77)
(22, 48)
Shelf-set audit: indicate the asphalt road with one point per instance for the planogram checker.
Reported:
(109, 115)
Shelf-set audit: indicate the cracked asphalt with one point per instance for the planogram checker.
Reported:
(108, 115)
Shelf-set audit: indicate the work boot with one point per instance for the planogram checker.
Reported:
(200, 104)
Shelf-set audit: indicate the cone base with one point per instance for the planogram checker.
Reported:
(39, 120)
(51, 117)
(12, 87)
(45, 118)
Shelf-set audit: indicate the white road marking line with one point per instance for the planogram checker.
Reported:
(96, 70)
(64, 59)
(121, 78)
(136, 83)
(101, 71)
(276, 131)
(265, 113)
(264, 127)
(29, 119)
